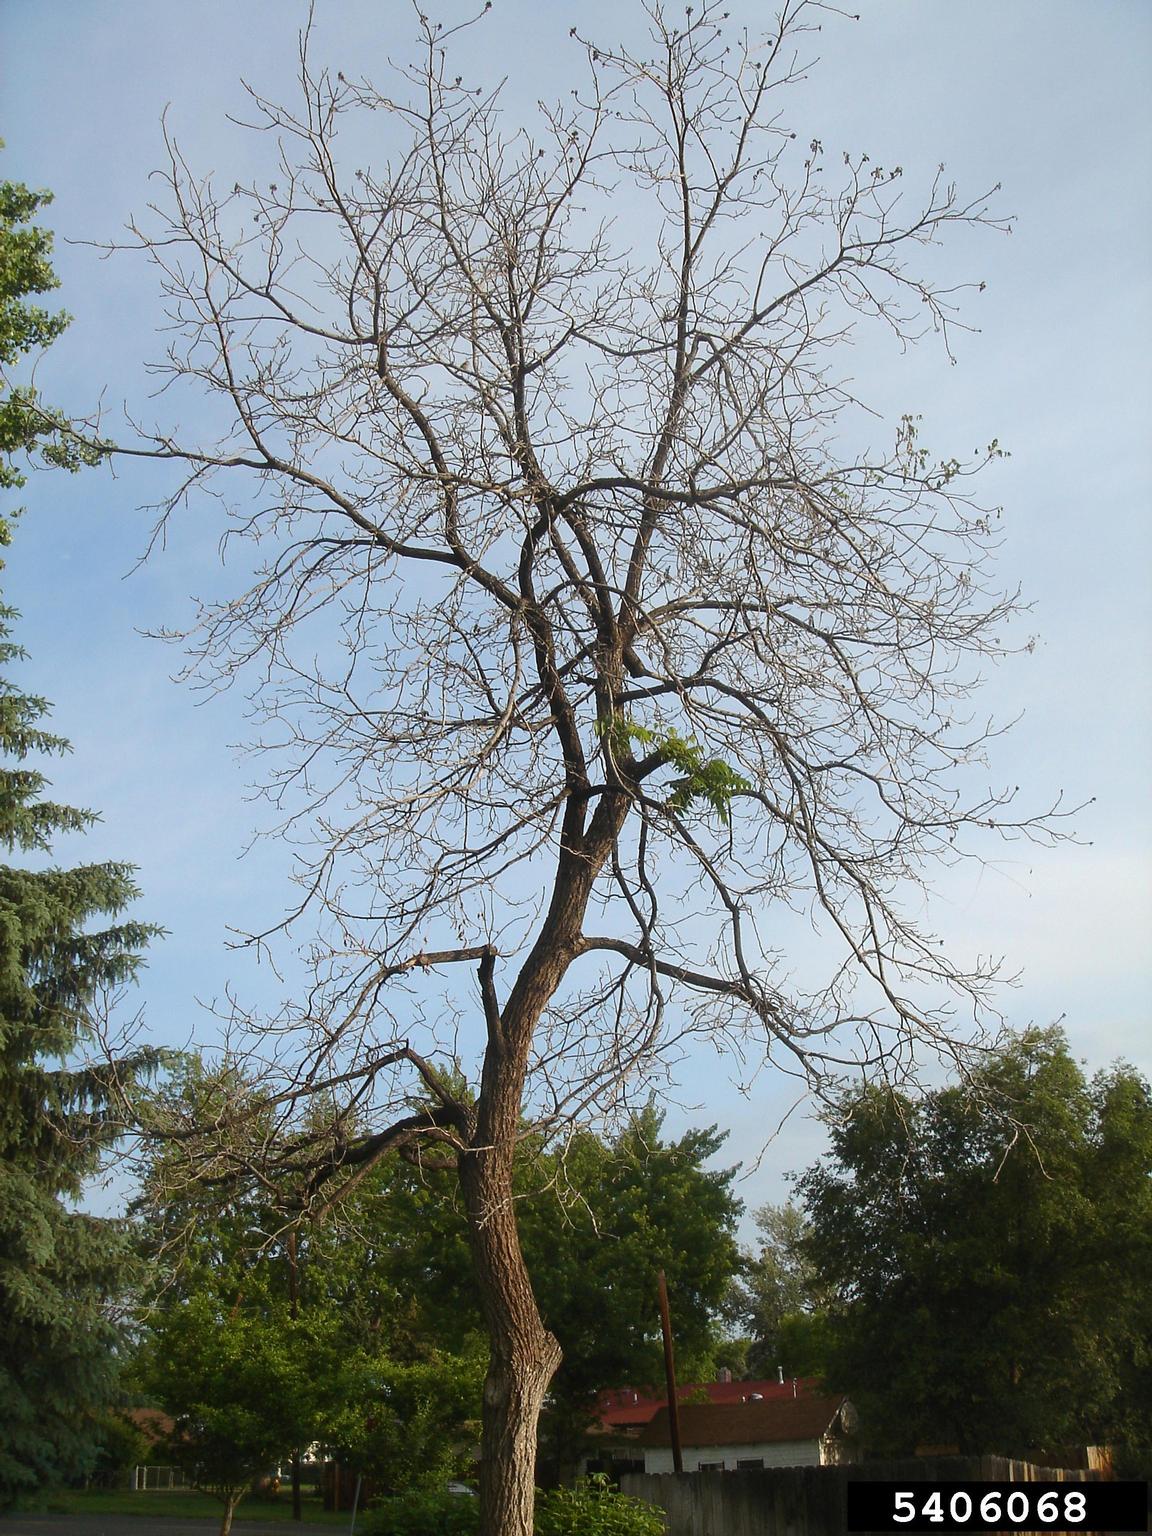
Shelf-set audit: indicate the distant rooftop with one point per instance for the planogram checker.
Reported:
(633, 1407)
(769, 1422)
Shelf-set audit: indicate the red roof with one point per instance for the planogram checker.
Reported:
(764, 1423)
(155, 1423)
(629, 1408)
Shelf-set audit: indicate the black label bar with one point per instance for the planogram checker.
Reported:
(947, 1507)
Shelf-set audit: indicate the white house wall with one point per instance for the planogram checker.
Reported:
(790, 1453)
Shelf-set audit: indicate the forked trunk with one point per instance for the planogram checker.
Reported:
(229, 1510)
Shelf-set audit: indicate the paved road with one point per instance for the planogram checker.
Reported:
(145, 1525)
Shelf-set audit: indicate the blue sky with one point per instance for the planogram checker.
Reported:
(1048, 97)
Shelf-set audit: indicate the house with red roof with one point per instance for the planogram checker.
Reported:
(809, 1430)
(625, 1414)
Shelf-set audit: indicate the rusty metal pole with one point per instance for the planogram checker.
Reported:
(670, 1374)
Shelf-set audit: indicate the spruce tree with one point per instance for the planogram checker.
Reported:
(64, 953)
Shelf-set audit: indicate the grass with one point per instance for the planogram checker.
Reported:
(185, 1504)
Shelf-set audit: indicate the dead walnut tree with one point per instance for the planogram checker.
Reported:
(585, 631)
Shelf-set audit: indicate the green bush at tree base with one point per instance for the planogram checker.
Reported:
(422, 1514)
(595, 1508)
(592, 1508)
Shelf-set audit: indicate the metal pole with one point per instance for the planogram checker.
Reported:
(355, 1505)
(670, 1374)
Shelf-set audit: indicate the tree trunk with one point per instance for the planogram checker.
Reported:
(229, 1510)
(523, 1354)
(514, 1391)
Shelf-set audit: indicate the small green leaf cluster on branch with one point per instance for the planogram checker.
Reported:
(710, 780)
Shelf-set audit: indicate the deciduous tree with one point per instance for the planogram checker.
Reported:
(990, 1254)
(598, 1219)
(391, 1374)
(781, 1298)
(244, 1381)
(611, 1214)
(589, 626)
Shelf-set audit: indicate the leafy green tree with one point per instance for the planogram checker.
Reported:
(1119, 1183)
(410, 1419)
(65, 949)
(781, 1298)
(607, 1216)
(122, 1445)
(394, 1383)
(244, 1381)
(989, 1254)
(387, 1402)
(598, 1219)
(196, 1222)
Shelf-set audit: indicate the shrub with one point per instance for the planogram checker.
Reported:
(120, 1446)
(592, 1508)
(422, 1514)
(595, 1508)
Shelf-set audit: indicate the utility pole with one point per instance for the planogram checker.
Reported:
(294, 1311)
(670, 1375)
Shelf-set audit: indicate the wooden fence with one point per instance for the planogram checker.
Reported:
(810, 1501)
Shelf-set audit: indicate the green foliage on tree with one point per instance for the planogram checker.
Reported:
(26, 424)
(781, 1299)
(708, 780)
(606, 1217)
(598, 1219)
(386, 1392)
(65, 950)
(121, 1446)
(410, 1420)
(244, 1381)
(990, 1252)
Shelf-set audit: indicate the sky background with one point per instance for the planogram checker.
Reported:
(1049, 98)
